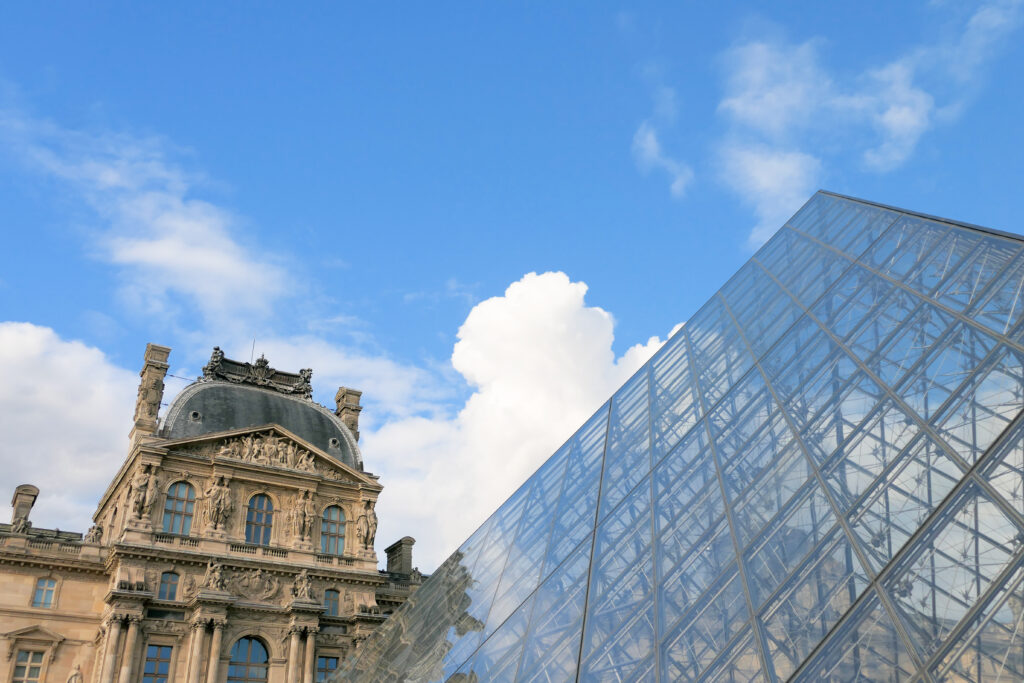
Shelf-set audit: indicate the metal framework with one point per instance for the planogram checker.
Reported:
(820, 477)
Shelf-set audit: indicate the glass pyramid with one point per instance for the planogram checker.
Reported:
(818, 478)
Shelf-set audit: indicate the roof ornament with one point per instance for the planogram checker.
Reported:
(259, 374)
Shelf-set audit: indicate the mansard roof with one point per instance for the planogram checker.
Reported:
(234, 395)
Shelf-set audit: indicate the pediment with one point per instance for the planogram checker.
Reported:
(36, 633)
(270, 446)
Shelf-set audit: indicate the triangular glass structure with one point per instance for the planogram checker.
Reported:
(820, 477)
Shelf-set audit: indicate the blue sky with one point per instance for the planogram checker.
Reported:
(358, 189)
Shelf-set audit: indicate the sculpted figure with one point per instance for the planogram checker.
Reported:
(21, 525)
(95, 534)
(214, 578)
(139, 486)
(271, 449)
(366, 525)
(218, 498)
(302, 589)
(306, 462)
(76, 675)
(151, 490)
(289, 454)
(247, 447)
(308, 514)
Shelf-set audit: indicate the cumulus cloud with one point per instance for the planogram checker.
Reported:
(65, 412)
(540, 362)
(781, 101)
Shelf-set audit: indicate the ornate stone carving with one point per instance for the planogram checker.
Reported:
(254, 584)
(302, 589)
(142, 492)
(218, 503)
(268, 449)
(366, 526)
(259, 373)
(95, 534)
(214, 578)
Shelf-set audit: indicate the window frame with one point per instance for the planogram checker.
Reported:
(53, 591)
(259, 522)
(248, 664)
(174, 520)
(44, 660)
(325, 671)
(155, 677)
(172, 585)
(332, 531)
(336, 603)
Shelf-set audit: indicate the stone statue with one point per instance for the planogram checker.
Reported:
(151, 490)
(306, 461)
(139, 486)
(218, 500)
(366, 525)
(95, 534)
(308, 513)
(76, 675)
(214, 579)
(305, 386)
(302, 589)
(21, 525)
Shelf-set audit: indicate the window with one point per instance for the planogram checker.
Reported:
(43, 597)
(332, 531)
(331, 602)
(325, 666)
(168, 586)
(181, 500)
(158, 664)
(248, 662)
(259, 519)
(28, 667)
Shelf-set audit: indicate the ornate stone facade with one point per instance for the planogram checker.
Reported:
(251, 532)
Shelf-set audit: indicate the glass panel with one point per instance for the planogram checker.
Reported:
(785, 543)
(866, 647)
(1005, 468)
(855, 298)
(902, 498)
(1001, 307)
(628, 458)
(847, 225)
(991, 649)
(811, 603)
(992, 397)
(696, 641)
(952, 567)
(675, 403)
(969, 284)
(720, 356)
(740, 663)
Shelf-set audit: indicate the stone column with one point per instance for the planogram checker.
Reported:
(310, 663)
(195, 658)
(293, 656)
(213, 670)
(128, 661)
(110, 658)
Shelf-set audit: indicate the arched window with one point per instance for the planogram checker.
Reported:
(168, 586)
(332, 602)
(45, 589)
(181, 501)
(332, 531)
(259, 519)
(248, 662)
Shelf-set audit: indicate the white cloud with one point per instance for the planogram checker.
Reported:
(775, 181)
(781, 102)
(540, 362)
(648, 154)
(65, 413)
(174, 251)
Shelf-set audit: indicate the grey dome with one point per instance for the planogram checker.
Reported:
(216, 406)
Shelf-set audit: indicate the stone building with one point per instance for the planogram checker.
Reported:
(235, 543)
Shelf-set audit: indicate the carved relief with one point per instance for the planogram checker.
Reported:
(259, 373)
(268, 449)
(302, 589)
(254, 584)
(218, 503)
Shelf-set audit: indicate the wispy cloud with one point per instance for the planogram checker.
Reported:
(781, 102)
(647, 149)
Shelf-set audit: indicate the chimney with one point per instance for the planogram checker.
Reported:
(348, 408)
(22, 502)
(151, 392)
(400, 556)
